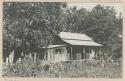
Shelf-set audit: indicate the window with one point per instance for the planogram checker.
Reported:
(59, 51)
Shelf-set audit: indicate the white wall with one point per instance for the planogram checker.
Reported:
(52, 56)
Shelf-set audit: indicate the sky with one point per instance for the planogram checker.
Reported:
(89, 6)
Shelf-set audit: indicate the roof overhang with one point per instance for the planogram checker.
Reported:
(53, 46)
(82, 43)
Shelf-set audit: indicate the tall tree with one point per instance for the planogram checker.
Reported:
(28, 26)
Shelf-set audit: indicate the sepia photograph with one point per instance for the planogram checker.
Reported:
(62, 40)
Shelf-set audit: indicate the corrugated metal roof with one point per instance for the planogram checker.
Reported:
(76, 36)
(82, 43)
(54, 46)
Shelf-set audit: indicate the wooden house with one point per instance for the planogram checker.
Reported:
(73, 46)
(67, 46)
(79, 46)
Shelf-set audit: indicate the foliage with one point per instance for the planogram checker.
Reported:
(28, 26)
(68, 69)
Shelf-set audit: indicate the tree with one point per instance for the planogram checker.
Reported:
(101, 23)
(28, 26)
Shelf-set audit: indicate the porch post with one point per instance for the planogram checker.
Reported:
(71, 53)
(53, 56)
(95, 53)
(92, 53)
(84, 53)
(100, 54)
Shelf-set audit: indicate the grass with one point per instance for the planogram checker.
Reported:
(68, 69)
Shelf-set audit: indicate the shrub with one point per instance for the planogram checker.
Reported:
(75, 68)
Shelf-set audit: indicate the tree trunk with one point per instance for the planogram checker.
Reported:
(11, 57)
(35, 56)
(7, 60)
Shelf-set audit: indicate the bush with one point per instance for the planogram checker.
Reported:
(76, 68)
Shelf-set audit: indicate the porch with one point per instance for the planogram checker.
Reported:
(85, 52)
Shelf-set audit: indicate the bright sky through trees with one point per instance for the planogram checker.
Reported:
(89, 6)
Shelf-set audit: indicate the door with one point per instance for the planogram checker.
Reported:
(60, 55)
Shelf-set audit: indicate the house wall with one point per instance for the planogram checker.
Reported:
(56, 57)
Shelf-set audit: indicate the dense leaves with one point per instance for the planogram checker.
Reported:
(28, 26)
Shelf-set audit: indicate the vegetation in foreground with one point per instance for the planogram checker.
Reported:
(68, 69)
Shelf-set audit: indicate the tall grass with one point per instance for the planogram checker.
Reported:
(67, 69)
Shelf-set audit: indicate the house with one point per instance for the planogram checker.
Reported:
(79, 46)
(67, 46)
(73, 46)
